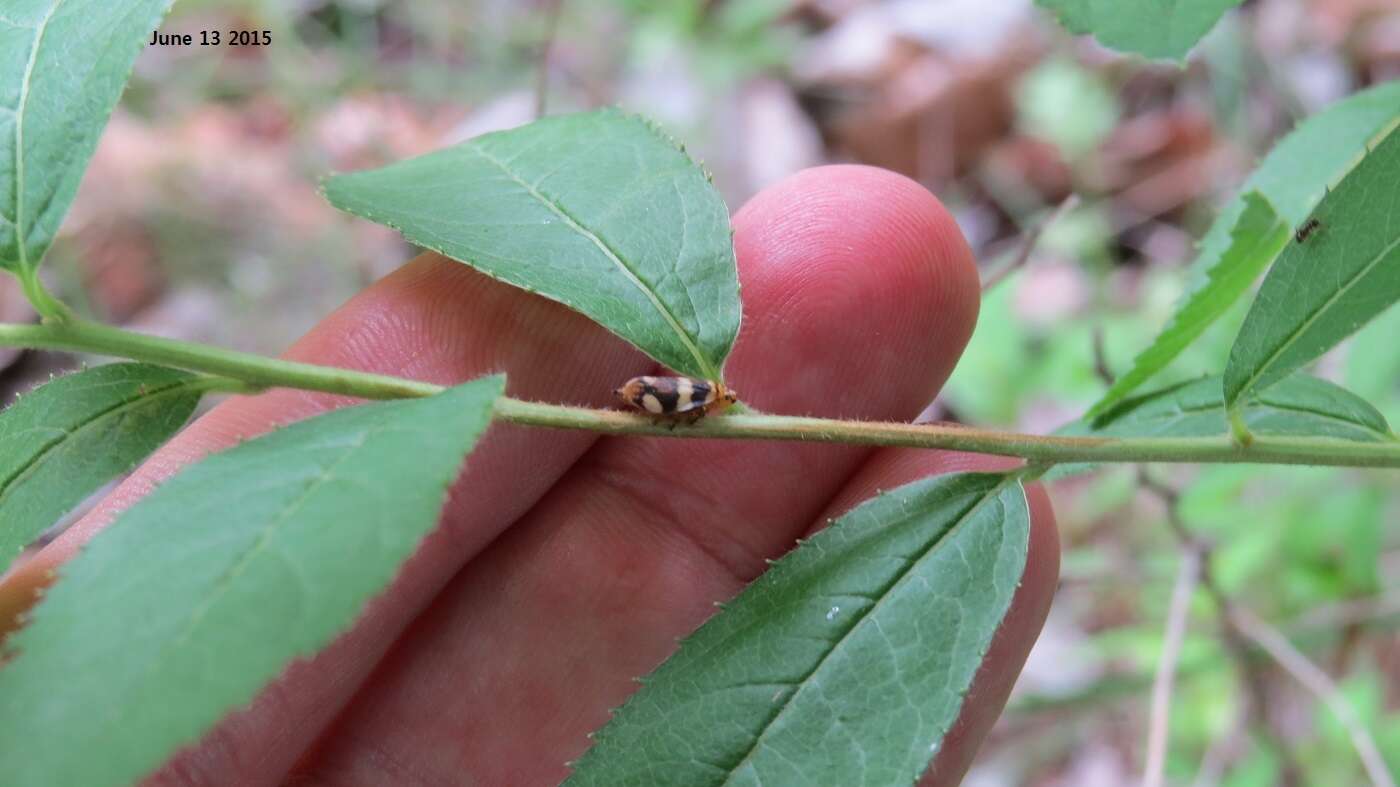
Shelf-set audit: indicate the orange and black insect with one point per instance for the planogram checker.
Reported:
(676, 398)
(1308, 228)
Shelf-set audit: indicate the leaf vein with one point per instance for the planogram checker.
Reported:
(223, 584)
(1343, 288)
(28, 468)
(20, 107)
(857, 619)
(631, 275)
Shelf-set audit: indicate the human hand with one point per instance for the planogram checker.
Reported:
(567, 563)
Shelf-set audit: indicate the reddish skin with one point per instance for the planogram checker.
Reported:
(567, 564)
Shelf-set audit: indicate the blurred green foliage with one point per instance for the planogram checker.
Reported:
(1068, 105)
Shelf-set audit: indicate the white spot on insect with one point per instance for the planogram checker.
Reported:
(652, 404)
(831, 614)
(685, 392)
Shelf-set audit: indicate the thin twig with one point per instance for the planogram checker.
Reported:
(1251, 678)
(1220, 753)
(1028, 245)
(551, 13)
(1312, 678)
(1187, 576)
(1350, 612)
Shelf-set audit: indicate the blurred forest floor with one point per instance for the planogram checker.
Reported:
(200, 218)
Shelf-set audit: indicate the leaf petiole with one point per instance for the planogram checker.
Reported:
(49, 308)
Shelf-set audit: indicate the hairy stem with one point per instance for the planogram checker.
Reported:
(1036, 448)
(261, 372)
(256, 370)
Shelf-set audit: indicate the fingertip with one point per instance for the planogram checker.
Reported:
(856, 279)
(906, 230)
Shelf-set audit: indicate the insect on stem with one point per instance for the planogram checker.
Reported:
(673, 399)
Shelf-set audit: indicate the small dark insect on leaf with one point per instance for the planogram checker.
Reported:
(1308, 228)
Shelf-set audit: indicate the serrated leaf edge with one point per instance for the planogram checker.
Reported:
(708, 369)
(1137, 374)
(1233, 403)
(991, 493)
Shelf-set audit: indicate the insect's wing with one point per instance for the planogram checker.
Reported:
(693, 394)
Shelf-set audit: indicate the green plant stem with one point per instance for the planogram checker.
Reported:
(51, 309)
(260, 372)
(1239, 432)
(1035, 448)
(256, 370)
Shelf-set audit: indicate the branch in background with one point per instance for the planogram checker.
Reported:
(1221, 753)
(1235, 638)
(1273, 642)
(551, 15)
(1368, 612)
(1352, 612)
(1028, 245)
(1250, 676)
(1187, 577)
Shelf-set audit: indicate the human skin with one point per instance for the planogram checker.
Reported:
(567, 563)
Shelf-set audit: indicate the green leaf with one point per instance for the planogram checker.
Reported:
(71, 436)
(1373, 366)
(62, 67)
(1161, 29)
(599, 211)
(1299, 406)
(846, 663)
(1323, 289)
(202, 592)
(1257, 236)
(1242, 240)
